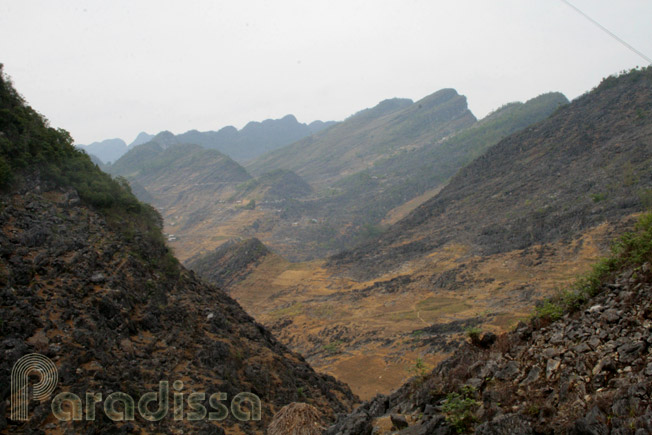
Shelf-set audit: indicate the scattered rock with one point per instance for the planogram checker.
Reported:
(488, 339)
(551, 367)
(398, 421)
(98, 277)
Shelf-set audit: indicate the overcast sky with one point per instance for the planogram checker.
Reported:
(104, 69)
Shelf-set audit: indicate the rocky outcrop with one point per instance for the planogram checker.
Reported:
(116, 315)
(588, 372)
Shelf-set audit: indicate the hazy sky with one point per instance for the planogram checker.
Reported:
(104, 69)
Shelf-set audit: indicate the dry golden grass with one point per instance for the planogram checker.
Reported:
(375, 347)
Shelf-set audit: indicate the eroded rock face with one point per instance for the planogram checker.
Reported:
(588, 372)
(113, 317)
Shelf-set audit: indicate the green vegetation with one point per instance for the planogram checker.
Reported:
(598, 197)
(473, 332)
(28, 145)
(459, 407)
(420, 369)
(631, 251)
(333, 347)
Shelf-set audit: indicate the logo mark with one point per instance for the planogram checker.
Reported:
(119, 406)
(26, 365)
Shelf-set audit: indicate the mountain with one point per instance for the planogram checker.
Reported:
(107, 151)
(87, 281)
(171, 171)
(518, 222)
(355, 208)
(581, 368)
(358, 205)
(141, 139)
(194, 187)
(358, 142)
(256, 138)
(415, 158)
(232, 261)
(110, 150)
(586, 164)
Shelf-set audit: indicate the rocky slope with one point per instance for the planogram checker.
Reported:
(357, 142)
(590, 372)
(229, 263)
(86, 280)
(587, 163)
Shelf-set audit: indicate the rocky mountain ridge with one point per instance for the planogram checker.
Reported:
(587, 163)
(254, 139)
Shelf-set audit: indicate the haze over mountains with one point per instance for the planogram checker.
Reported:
(379, 160)
(252, 140)
(383, 242)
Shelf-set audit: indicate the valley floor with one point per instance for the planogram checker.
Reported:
(374, 334)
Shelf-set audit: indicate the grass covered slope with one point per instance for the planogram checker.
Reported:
(87, 280)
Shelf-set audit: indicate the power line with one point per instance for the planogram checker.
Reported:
(647, 59)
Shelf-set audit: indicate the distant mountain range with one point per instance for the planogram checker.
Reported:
(331, 190)
(255, 139)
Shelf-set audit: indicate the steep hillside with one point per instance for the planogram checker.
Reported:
(355, 206)
(173, 171)
(87, 281)
(231, 262)
(590, 372)
(356, 143)
(589, 162)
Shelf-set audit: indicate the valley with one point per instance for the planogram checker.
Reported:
(326, 218)
(369, 334)
(452, 252)
(373, 263)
